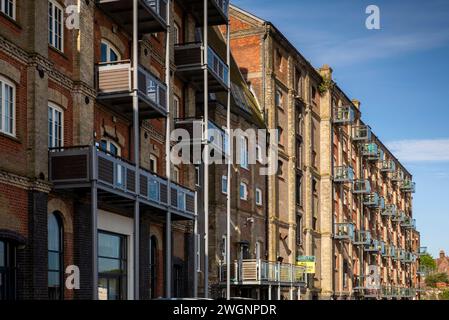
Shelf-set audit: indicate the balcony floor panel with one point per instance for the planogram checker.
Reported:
(121, 12)
(123, 104)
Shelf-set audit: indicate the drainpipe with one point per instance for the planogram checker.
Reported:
(206, 151)
(136, 147)
(228, 196)
(168, 222)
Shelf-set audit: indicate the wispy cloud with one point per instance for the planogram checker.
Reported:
(420, 150)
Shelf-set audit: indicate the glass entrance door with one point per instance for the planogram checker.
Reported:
(112, 266)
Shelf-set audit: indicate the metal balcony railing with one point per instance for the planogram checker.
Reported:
(217, 11)
(361, 187)
(371, 200)
(422, 251)
(389, 211)
(343, 174)
(260, 272)
(397, 176)
(344, 231)
(190, 61)
(362, 238)
(152, 14)
(371, 151)
(408, 186)
(399, 217)
(77, 167)
(344, 115)
(114, 86)
(373, 246)
(408, 223)
(408, 257)
(361, 133)
(385, 251)
(388, 166)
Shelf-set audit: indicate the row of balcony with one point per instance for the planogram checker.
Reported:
(152, 14)
(346, 174)
(260, 272)
(114, 81)
(75, 168)
(347, 232)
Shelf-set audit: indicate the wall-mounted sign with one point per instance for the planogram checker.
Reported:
(306, 262)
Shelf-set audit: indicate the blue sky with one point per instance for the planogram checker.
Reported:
(400, 73)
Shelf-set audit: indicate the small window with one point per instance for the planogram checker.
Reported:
(108, 52)
(198, 176)
(176, 111)
(56, 25)
(153, 163)
(243, 191)
(259, 156)
(279, 98)
(55, 126)
(8, 7)
(176, 174)
(280, 168)
(7, 271)
(7, 107)
(258, 197)
(224, 184)
(280, 136)
(176, 33)
(110, 147)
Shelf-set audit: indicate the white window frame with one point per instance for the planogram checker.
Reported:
(153, 159)
(52, 41)
(259, 195)
(176, 173)
(245, 191)
(3, 83)
(197, 176)
(3, 8)
(110, 47)
(176, 107)
(244, 153)
(224, 184)
(109, 142)
(54, 109)
(176, 33)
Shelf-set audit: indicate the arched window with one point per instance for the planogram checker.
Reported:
(55, 126)
(55, 258)
(153, 266)
(111, 147)
(108, 52)
(7, 270)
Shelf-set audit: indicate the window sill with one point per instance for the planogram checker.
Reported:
(56, 50)
(11, 20)
(11, 137)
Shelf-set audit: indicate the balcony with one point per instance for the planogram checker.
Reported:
(408, 186)
(422, 251)
(260, 272)
(190, 63)
(75, 168)
(371, 151)
(362, 238)
(195, 128)
(361, 133)
(397, 176)
(344, 115)
(399, 217)
(407, 293)
(389, 211)
(394, 253)
(114, 89)
(367, 291)
(344, 231)
(385, 250)
(374, 246)
(408, 223)
(408, 257)
(371, 200)
(152, 14)
(217, 11)
(361, 187)
(388, 166)
(343, 174)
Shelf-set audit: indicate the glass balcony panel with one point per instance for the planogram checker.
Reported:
(343, 174)
(361, 187)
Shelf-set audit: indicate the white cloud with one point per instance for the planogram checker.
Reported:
(420, 150)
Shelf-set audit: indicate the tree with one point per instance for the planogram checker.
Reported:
(433, 279)
(444, 295)
(427, 263)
